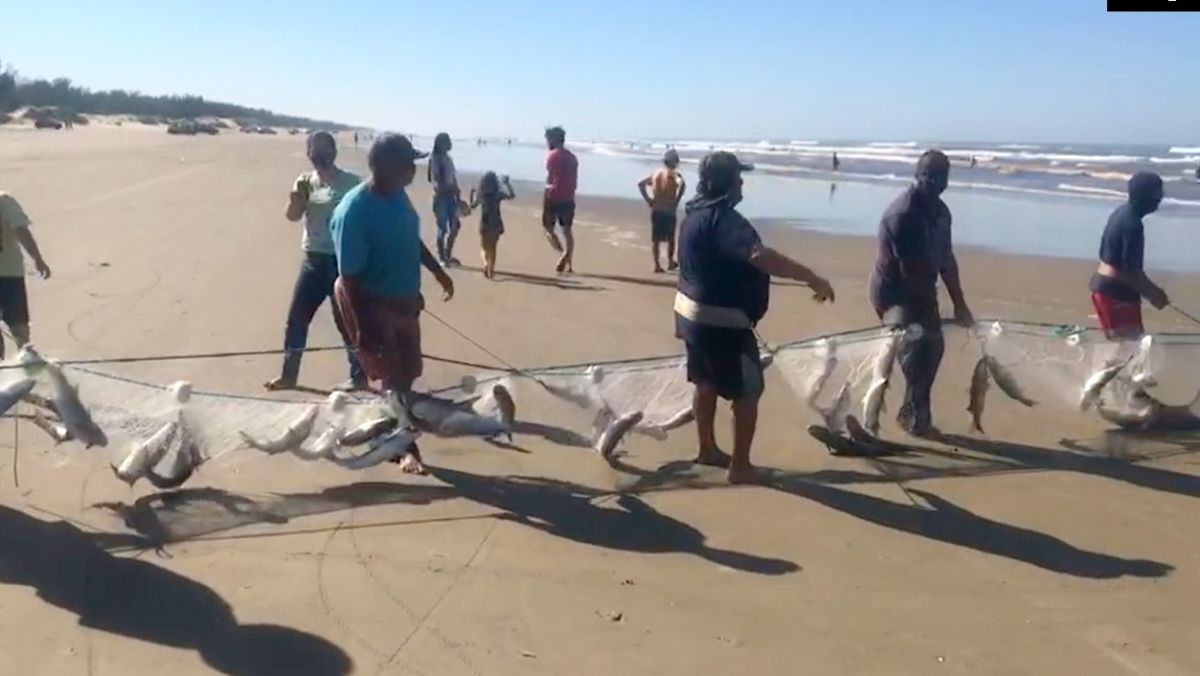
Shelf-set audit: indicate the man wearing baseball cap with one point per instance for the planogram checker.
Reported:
(724, 282)
(376, 232)
(668, 189)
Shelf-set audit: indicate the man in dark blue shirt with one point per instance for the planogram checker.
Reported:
(1120, 282)
(724, 284)
(915, 249)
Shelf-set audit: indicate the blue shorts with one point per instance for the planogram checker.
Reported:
(445, 212)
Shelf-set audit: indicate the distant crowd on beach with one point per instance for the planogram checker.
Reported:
(364, 253)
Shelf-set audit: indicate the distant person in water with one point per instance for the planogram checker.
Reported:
(446, 196)
(974, 162)
(558, 207)
(492, 191)
(724, 287)
(1120, 282)
(915, 249)
(355, 139)
(314, 196)
(836, 162)
(667, 189)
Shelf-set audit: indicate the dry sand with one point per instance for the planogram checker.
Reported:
(1012, 557)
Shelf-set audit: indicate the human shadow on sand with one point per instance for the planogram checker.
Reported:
(178, 516)
(564, 283)
(946, 522)
(139, 600)
(568, 510)
(1116, 468)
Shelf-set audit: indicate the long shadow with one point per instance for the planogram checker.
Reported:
(679, 474)
(946, 522)
(1035, 457)
(165, 518)
(566, 510)
(564, 283)
(556, 435)
(142, 601)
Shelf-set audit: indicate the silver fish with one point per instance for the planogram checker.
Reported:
(873, 403)
(322, 446)
(612, 436)
(14, 392)
(977, 395)
(368, 431)
(145, 455)
(395, 444)
(290, 438)
(817, 383)
(835, 417)
(186, 460)
(449, 419)
(41, 402)
(658, 431)
(57, 431)
(1005, 381)
(882, 369)
(71, 410)
(1096, 383)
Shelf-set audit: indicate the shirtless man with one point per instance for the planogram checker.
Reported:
(668, 189)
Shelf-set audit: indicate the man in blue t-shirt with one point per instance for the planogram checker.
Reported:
(724, 282)
(915, 249)
(1120, 282)
(376, 233)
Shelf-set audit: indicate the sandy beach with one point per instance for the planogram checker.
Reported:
(1005, 554)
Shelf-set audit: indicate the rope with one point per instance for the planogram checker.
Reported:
(1186, 315)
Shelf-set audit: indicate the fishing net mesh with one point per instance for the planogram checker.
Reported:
(1050, 363)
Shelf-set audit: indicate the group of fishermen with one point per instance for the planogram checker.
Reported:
(363, 249)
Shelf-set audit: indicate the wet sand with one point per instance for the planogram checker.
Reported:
(1006, 555)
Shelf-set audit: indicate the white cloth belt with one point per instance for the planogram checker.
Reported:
(710, 315)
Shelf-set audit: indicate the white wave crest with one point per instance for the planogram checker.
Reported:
(1184, 150)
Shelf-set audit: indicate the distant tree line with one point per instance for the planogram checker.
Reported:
(70, 98)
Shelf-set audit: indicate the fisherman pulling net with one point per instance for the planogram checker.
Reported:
(164, 434)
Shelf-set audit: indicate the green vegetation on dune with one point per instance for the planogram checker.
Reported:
(70, 99)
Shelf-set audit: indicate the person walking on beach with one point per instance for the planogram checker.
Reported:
(15, 236)
(915, 248)
(314, 195)
(491, 225)
(558, 207)
(1120, 281)
(836, 162)
(724, 285)
(446, 196)
(376, 232)
(668, 189)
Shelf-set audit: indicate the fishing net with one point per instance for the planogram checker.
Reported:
(1050, 364)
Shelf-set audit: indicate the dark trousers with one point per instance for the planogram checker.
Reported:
(314, 285)
(919, 358)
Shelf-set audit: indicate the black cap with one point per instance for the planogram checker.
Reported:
(719, 170)
(394, 145)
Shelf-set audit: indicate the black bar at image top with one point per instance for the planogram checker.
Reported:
(1154, 5)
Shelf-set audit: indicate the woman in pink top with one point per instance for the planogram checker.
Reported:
(558, 208)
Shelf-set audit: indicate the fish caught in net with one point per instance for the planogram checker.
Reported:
(165, 434)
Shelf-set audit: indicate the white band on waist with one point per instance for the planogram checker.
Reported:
(710, 315)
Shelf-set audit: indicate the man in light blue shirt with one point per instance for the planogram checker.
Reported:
(376, 233)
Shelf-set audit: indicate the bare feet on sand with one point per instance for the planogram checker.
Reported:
(280, 383)
(744, 474)
(712, 457)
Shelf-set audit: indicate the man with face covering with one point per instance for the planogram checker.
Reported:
(376, 231)
(1120, 282)
(314, 195)
(724, 283)
(915, 249)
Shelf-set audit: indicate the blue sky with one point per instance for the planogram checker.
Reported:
(984, 70)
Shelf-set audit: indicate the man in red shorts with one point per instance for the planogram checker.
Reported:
(1120, 282)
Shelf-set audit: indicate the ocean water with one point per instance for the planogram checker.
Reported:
(1019, 198)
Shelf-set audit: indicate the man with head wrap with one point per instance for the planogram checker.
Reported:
(1120, 282)
(724, 283)
(314, 195)
(915, 249)
(376, 232)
